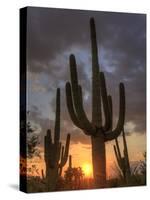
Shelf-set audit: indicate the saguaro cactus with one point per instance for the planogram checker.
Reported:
(55, 154)
(70, 161)
(123, 161)
(99, 132)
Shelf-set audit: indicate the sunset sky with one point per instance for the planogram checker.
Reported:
(54, 34)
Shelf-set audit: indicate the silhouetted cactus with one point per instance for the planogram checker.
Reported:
(70, 161)
(55, 156)
(42, 174)
(99, 132)
(123, 161)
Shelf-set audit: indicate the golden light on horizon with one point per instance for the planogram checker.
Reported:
(87, 169)
(82, 156)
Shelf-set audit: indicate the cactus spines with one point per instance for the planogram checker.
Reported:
(99, 131)
(123, 161)
(55, 154)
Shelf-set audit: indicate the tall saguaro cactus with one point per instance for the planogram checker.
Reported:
(123, 161)
(55, 154)
(99, 131)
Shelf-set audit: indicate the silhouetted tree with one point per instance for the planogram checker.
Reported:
(32, 142)
(29, 140)
(73, 177)
(78, 175)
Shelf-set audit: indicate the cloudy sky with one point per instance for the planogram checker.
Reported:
(54, 34)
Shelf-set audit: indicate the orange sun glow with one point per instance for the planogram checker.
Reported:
(87, 169)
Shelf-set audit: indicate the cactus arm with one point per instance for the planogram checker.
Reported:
(96, 100)
(123, 162)
(126, 155)
(115, 133)
(80, 94)
(65, 157)
(60, 166)
(81, 102)
(121, 120)
(76, 99)
(42, 174)
(70, 161)
(74, 78)
(58, 153)
(107, 125)
(118, 149)
(45, 149)
(65, 154)
(125, 145)
(94, 45)
(110, 111)
(62, 153)
(47, 143)
(70, 106)
(57, 118)
(60, 171)
(117, 156)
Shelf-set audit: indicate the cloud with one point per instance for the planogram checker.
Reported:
(43, 124)
(52, 31)
(54, 34)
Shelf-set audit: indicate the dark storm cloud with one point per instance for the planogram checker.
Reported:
(53, 34)
(35, 116)
(51, 31)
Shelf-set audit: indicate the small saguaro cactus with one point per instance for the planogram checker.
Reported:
(100, 132)
(55, 154)
(123, 161)
(70, 161)
(69, 173)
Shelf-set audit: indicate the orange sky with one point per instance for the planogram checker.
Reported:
(81, 154)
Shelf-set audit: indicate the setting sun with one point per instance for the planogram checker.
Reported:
(87, 169)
